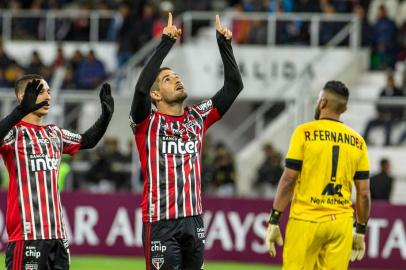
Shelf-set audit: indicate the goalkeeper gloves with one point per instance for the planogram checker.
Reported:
(273, 233)
(358, 242)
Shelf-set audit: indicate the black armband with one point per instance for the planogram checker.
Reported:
(360, 228)
(275, 216)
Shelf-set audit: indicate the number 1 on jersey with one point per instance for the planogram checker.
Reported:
(336, 151)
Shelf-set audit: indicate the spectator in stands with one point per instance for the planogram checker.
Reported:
(90, 72)
(36, 65)
(388, 115)
(79, 29)
(257, 33)
(12, 73)
(381, 183)
(307, 6)
(342, 6)
(402, 45)
(224, 174)
(5, 60)
(144, 26)
(273, 5)
(69, 81)
(103, 172)
(76, 59)
(328, 29)
(384, 36)
(359, 11)
(246, 30)
(124, 25)
(59, 60)
(207, 164)
(287, 32)
(269, 172)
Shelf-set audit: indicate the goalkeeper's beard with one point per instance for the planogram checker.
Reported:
(317, 113)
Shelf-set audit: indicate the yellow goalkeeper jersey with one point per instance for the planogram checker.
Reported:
(329, 156)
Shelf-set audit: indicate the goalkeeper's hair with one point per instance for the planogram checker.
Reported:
(338, 88)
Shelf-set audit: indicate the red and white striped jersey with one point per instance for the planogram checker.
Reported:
(169, 148)
(32, 155)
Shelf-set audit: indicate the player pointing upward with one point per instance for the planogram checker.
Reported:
(169, 142)
(325, 158)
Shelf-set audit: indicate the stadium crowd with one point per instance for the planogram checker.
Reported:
(136, 22)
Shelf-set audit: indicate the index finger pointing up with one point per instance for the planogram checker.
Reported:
(218, 23)
(170, 19)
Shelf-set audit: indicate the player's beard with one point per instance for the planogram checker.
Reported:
(317, 113)
(179, 98)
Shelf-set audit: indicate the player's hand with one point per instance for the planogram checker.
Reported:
(223, 30)
(358, 246)
(273, 235)
(171, 30)
(29, 102)
(106, 99)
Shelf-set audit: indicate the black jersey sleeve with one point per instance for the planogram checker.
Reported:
(7, 123)
(141, 104)
(233, 84)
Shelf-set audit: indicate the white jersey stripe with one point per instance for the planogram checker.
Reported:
(27, 166)
(61, 224)
(150, 205)
(20, 186)
(158, 202)
(38, 189)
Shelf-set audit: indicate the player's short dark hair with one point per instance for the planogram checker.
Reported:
(337, 88)
(155, 84)
(22, 82)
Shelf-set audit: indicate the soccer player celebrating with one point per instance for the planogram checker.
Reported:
(32, 153)
(169, 142)
(325, 158)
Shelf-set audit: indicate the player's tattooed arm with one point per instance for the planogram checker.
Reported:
(141, 104)
(233, 84)
(94, 134)
(27, 105)
(285, 189)
(363, 200)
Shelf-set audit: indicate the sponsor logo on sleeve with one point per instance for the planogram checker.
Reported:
(205, 106)
(71, 136)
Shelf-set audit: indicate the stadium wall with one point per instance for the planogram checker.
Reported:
(111, 225)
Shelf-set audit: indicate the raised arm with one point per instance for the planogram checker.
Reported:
(27, 106)
(233, 84)
(93, 135)
(141, 104)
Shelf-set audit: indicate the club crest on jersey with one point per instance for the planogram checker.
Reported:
(158, 262)
(173, 145)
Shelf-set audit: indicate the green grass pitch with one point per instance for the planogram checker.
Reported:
(128, 263)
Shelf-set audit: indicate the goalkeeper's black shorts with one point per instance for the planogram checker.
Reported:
(174, 244)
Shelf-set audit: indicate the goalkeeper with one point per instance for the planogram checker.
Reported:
(325, 159)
